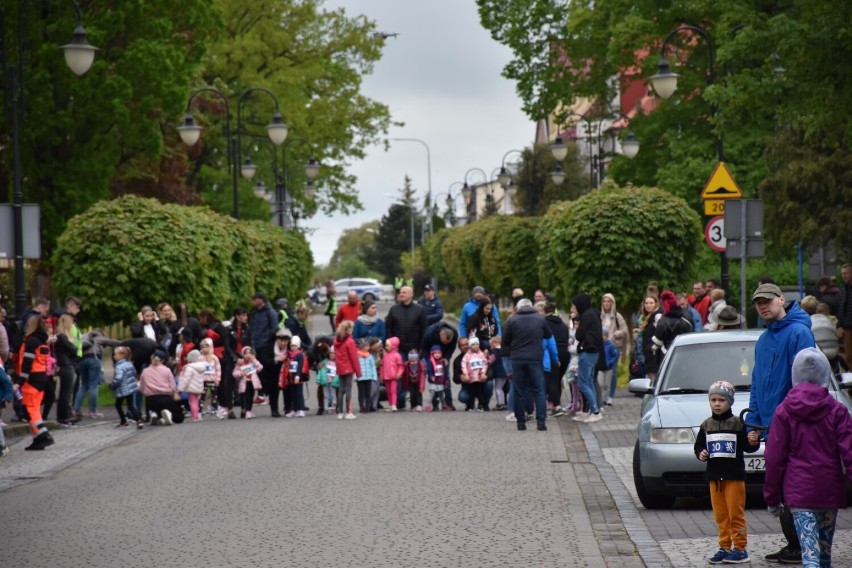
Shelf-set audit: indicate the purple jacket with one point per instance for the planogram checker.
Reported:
(810, 435)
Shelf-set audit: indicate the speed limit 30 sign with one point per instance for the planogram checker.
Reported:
(714, 233)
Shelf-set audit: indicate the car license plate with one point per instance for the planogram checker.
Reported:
(755, 464)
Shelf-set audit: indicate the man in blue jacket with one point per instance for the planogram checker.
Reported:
(432, 304)
(788, 332)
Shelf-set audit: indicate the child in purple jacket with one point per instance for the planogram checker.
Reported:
(810, 439)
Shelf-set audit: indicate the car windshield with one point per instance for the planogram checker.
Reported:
(693, 368)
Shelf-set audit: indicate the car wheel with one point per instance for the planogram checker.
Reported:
(648, 500)
(368, 297)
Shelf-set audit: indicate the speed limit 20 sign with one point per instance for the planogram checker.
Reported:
(714, 233)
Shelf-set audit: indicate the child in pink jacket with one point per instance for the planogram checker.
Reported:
(247, 372)
(475, 367)
(192, 381)
(391, 370)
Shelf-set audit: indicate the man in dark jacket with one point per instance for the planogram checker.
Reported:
(589, 336)
(297, 327)
(264, 324)
(523, 338)
(433, 306)
(844, 311)
(673, 323)
(446, 336)
(406, 321)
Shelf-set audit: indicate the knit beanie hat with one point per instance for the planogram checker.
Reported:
(811, 366)
(723, 388)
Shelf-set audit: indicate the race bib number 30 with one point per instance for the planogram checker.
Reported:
(722, 445)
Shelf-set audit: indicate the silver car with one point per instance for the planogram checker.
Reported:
(664, 465)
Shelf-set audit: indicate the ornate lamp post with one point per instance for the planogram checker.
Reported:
(190, 132)
(79, 56)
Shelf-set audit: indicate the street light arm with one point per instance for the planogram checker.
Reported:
(711, 47)
(428, 158)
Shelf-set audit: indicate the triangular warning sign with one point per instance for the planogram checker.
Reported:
(721, 185)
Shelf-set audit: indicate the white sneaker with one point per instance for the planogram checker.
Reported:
(393, 408)
(249, 415)
(350, 416)
(154, 418)
(593, 417)
(581, 416)
(511, 418)
(300, 414)
(167, 418)
(609, 401)
(340, 417)
(290, 414)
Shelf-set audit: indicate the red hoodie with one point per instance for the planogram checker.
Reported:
(346, 356)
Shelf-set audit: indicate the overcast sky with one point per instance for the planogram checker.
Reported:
(441, 78)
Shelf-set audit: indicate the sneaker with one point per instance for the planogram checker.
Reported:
(124, 425)
(290, 414)
(511, 418)
(249, 415)
(560, 412)
(521, 426)
(393, 408)
(4, 451)
(40, 442)
(139, 424)
(786, 555)
(154, 419)
(418, 409)
(231, 415)
(431, 409)
(222, 413)
(580, 417)
(300, 414)
(167, 418)
(719, 557)
(96, 415)
(593, 417)
(470, 409)
(736, 556)
(260, 400)
(541, 427)
(67, 423)
(349, 416)
(610, 402)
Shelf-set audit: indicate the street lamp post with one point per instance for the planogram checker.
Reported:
(469, 194)
(664, 83)
(190, 132)
(630, 147)
(79, 56)
(282, 201)
(428, 158)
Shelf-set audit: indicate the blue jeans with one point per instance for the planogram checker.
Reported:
(528, 378)
(587, 364)
(91, 376)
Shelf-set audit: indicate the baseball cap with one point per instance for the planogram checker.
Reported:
(766, 292)
(428, 287)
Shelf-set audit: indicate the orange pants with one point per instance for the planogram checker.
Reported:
(31, 398)
(728, 499)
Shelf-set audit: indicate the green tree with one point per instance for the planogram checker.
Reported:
(615, 240)
(536, 189)
(354, 249)
(188, 254)
(764, 101)
(313, 60)
(112, 130)
(395, 234)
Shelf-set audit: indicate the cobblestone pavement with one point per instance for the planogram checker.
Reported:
(685, 534)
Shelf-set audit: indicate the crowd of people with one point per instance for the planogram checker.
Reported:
(536, 363)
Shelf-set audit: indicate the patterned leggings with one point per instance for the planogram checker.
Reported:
(815, 530)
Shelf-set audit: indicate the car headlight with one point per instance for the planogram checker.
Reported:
(672, 436)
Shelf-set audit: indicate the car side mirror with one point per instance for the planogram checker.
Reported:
(644, 386)
(846, 380)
